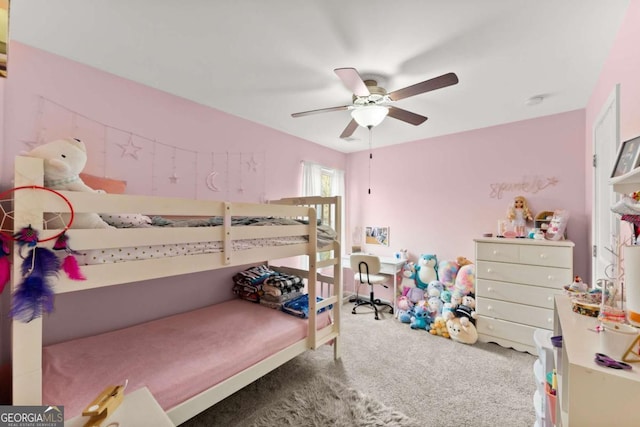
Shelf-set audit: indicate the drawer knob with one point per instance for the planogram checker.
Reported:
(495, 252)
(549, 298)
(489, 289)
(489, 270)
(550, 277)
(549, 320)
(491, 327)
(490, 308)
(543, 256)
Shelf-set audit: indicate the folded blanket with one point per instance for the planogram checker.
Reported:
(282, 298)
(253, 276)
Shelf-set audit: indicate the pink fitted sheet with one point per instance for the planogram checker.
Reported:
(176, 357)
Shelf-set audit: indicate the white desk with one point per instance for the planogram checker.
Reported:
(138, 409)
(590, 395)
(389, 266)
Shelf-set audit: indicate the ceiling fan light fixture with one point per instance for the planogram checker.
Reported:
(370, 115)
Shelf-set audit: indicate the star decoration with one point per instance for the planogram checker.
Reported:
(130, 149)
(173, 179)
(252, 164)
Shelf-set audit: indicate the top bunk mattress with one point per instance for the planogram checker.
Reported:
(176, 357)
(325, 236)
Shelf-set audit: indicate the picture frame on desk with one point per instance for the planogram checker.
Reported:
(628, 157)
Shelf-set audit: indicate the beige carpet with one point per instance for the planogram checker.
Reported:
(431, 380)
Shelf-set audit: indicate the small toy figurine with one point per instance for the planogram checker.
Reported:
(519, 214)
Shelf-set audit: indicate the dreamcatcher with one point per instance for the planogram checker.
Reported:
(34, 295)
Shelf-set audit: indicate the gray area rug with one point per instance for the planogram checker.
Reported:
(326, 402)
(404, 377)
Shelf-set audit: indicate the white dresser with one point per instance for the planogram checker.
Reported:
(516, 281)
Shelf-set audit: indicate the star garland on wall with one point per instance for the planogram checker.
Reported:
(132, 145)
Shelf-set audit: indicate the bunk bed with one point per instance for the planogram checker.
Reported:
(36, 368)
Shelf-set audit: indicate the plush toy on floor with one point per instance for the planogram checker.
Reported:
(439, 327)
(426, 270)
(404, 309)
(466, 310)
(466, 279)
(447, 272)
(420, 317)
(64, 159)
(458, 332)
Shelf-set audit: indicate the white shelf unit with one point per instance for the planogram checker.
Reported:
(627, 183)
(590, 395)
(516, 281)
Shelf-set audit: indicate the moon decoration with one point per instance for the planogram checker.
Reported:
(210, 181)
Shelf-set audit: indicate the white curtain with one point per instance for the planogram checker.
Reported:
(311, 179)
(312, 186)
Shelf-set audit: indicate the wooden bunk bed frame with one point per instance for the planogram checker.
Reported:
(30, 206)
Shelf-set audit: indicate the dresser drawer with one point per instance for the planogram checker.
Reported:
(525, 314)
(520, 294)
(550, 277)
(497, 252)
(550, 256)
(515, 332)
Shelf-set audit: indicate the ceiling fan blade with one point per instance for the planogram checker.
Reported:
(352, 80)
(425, 86)
(321, 110)
(349, 130)
(406, 116)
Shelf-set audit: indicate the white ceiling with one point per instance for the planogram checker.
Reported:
(263, 60)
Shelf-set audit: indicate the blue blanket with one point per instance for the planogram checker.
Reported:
(299, 307)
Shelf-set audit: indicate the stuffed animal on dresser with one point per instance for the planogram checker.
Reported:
(64, 159)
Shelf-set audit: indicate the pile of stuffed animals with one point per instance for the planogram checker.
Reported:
(438, 297)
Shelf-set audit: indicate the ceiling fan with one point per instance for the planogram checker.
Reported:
(371, 102)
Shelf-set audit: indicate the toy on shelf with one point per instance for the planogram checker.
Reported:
(558, 225)
(519, 214)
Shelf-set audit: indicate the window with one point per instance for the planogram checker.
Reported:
(318, 180)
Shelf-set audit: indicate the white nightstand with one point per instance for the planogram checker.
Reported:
(138, 409)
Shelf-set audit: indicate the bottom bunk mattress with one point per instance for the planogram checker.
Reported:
(176, 357)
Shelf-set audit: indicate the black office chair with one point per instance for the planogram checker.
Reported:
(367, 269)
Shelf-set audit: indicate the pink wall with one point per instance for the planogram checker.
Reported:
(51, 97)
(622, 66)
(437, 195)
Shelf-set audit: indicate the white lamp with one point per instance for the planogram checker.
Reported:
(369, 115)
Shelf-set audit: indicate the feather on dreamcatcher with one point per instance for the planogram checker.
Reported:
(34, 295)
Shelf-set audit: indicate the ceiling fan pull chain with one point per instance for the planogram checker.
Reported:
(370, 157)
